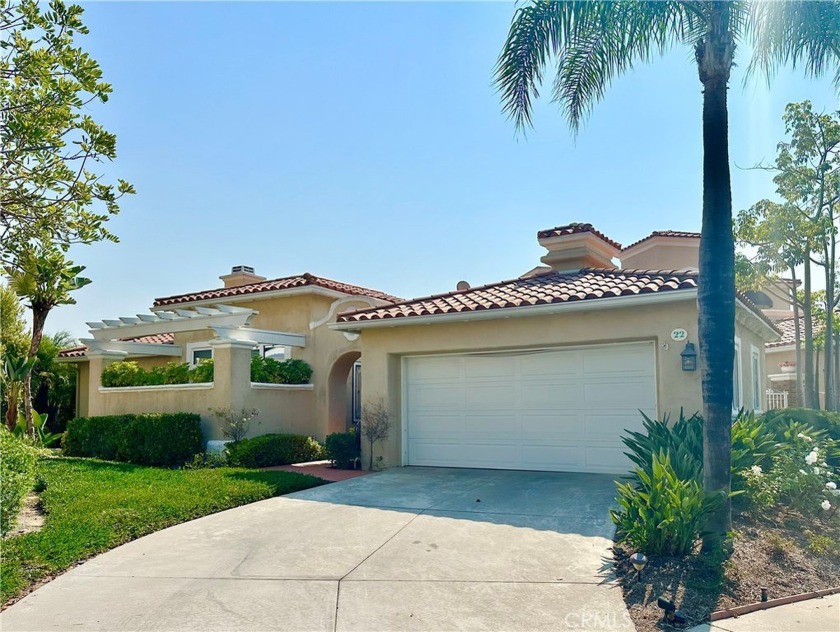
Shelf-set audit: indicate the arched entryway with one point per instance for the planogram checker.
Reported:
(340, 389)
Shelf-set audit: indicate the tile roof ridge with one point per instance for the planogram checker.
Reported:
(679, 234)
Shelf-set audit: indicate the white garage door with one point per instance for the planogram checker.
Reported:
(562, 410)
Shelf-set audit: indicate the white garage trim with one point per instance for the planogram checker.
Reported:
(548, 408)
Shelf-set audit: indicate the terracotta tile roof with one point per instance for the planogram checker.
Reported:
(160, 339)
(542, 289)
(573, 229)
(787, 327)
(273, 285)
(665, 233)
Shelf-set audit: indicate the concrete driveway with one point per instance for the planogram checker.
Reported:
(405, 549)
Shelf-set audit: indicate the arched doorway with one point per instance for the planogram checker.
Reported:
(340, 391)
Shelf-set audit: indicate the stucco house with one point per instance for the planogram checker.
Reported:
(279, 318)
(543, 372)
(546, 371)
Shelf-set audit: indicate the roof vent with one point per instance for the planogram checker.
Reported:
(462, 286)
(241, 275)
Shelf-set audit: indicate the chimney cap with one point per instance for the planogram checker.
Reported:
(245, 269)
(573, 229)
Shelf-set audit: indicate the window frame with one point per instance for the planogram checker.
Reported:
(192, 347)
(737, 384)
(756, 374)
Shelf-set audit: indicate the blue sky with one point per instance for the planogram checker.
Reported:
(364, 142)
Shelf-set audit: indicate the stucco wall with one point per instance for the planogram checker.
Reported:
(384, 348)
(316, 412)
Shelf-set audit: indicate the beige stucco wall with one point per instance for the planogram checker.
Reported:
(317, 412)
(668, 254)
(384, 348)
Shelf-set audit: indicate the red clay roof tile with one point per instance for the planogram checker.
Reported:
(664, 233)
(272, 285)
(573, 229)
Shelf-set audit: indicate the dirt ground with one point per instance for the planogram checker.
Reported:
(784, 552)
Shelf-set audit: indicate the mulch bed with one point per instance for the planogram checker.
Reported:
(770, 551)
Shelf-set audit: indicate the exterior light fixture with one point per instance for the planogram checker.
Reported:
(689, 357)
(638, 560)
(671, 614)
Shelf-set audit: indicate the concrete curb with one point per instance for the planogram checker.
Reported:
(737, 611)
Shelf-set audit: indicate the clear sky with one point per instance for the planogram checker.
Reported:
(364, 142)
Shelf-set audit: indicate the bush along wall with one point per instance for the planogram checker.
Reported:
(274, 449)
(163, 439)
(269, 371)
(129, 373)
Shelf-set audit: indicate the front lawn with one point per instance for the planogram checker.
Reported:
(92, 506)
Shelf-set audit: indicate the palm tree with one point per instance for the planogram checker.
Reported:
(45, 278)
(593, 42)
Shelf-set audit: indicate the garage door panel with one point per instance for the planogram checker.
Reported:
(557, 395)
(482, 426)
(550, 363)
(442, 368)
(489, 366)
(632, 393)
(561, 410)
(438, 426)
(566, 457)
(552, 426)
(605, 426)
(623, 359)
(490, 396)
(425, 397)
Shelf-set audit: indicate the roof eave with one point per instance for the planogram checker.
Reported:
(520, 312)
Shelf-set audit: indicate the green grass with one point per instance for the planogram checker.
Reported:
(92, 506)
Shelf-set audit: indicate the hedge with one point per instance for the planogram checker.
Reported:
(129, 373)
(17, 476)
(274, 449)
(342, 448)
(270, 371)
(165, 439)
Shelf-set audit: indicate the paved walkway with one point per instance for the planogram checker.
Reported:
(321, 469)
(814, 615)
(406, 549)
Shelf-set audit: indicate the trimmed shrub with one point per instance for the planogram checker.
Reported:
(18, 462)
(270, 371)
(342, 448)
(823, 421)
(164, 439)
(128, 373)
(663, 514)
(274, 449)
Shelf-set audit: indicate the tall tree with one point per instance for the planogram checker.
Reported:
(44, 278)
(593, 42)
(51, 146)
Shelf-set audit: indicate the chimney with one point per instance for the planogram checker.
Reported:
(577, 246)
(241, 275)
(663, 250)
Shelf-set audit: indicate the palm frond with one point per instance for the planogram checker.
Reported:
(804, 34)
(593, 42)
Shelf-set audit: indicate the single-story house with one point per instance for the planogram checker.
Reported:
(548, 370)
(544, 372)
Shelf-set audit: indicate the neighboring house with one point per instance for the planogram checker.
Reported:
(781, 364)
(280, 318)
(547, 371)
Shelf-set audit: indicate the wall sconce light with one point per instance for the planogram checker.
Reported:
(689, 357)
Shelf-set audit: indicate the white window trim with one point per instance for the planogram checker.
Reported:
(738, 404)
(757, 382)
(197, 346)
(287, 351)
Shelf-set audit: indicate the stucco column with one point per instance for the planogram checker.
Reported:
(97, 361)
(231, 376)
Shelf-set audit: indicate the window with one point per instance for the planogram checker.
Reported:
(755, 366)
(196, 352)
(357, 392)
(737, 395)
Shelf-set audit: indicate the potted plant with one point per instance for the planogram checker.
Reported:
(788, 366)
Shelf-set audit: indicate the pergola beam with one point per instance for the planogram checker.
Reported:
(260, 336)
(167, 322)
(131, 348)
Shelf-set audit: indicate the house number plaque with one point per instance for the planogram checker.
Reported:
(679, 334)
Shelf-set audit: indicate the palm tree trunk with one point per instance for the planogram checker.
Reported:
(716, 291)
